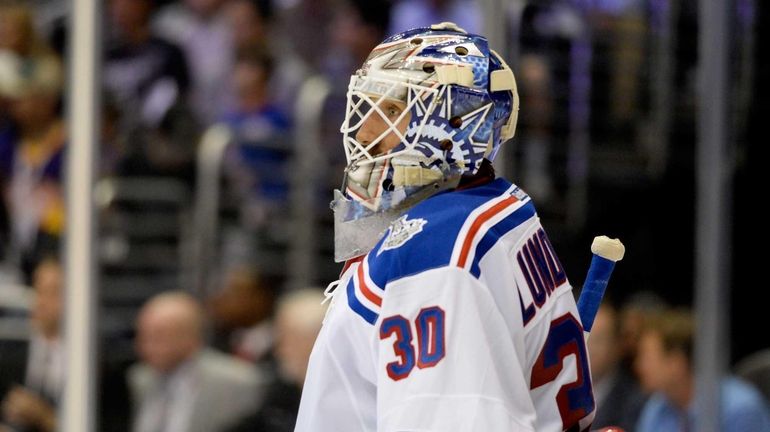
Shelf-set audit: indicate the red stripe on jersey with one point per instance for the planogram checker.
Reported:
(483, 217)
(374, 298)
(350, 262)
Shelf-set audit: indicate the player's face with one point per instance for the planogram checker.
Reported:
(375, 125)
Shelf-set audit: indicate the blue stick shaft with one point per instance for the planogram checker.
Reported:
(593, 290)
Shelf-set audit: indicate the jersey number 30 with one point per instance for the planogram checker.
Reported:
(430, 341)
(575, 399)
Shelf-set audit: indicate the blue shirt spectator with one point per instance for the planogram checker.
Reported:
(743, 409)
(257, 164)
(664, 365)
(262, 148)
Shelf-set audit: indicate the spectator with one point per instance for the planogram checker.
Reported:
(201, 29)
(249, 20)
(147, 77)
(258, 163)
(637, 309)
(32, 369)
(664, 365)
(180, 385)
(252, 24)
(32, 373)
(619, 399)
(32, 142)
(310, 42)
(298, 320)
(145, 74)
(297, 323)
(355, 29)
(242, 311)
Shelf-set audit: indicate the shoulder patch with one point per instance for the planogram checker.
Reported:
(401, 230)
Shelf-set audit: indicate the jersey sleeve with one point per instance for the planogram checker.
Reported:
(446, 359)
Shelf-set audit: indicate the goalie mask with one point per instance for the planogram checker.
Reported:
(427, 106)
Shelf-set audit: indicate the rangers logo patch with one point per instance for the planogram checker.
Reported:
(401, 230)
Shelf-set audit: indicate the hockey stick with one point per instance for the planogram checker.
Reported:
(606, 252)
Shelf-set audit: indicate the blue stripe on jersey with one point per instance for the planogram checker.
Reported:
(431, 248)
(521, 215)
(367, 314)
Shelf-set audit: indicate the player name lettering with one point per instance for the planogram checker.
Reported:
(542, 272)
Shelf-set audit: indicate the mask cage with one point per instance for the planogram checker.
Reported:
(366, 98)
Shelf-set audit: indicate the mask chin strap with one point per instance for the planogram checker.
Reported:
(414, 176)
(368, 183)
(365, 183)
(411, 169)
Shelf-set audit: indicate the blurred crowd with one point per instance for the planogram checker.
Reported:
(237, 362)
(643, 372)
(233, 357)
(176, 380)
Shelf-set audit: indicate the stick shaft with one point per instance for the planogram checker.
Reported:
(593, 290)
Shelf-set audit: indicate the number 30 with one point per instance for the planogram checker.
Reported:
(430, 341)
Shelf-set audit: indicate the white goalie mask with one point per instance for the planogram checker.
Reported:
(426, 108)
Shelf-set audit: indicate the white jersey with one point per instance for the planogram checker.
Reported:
(460, 319)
